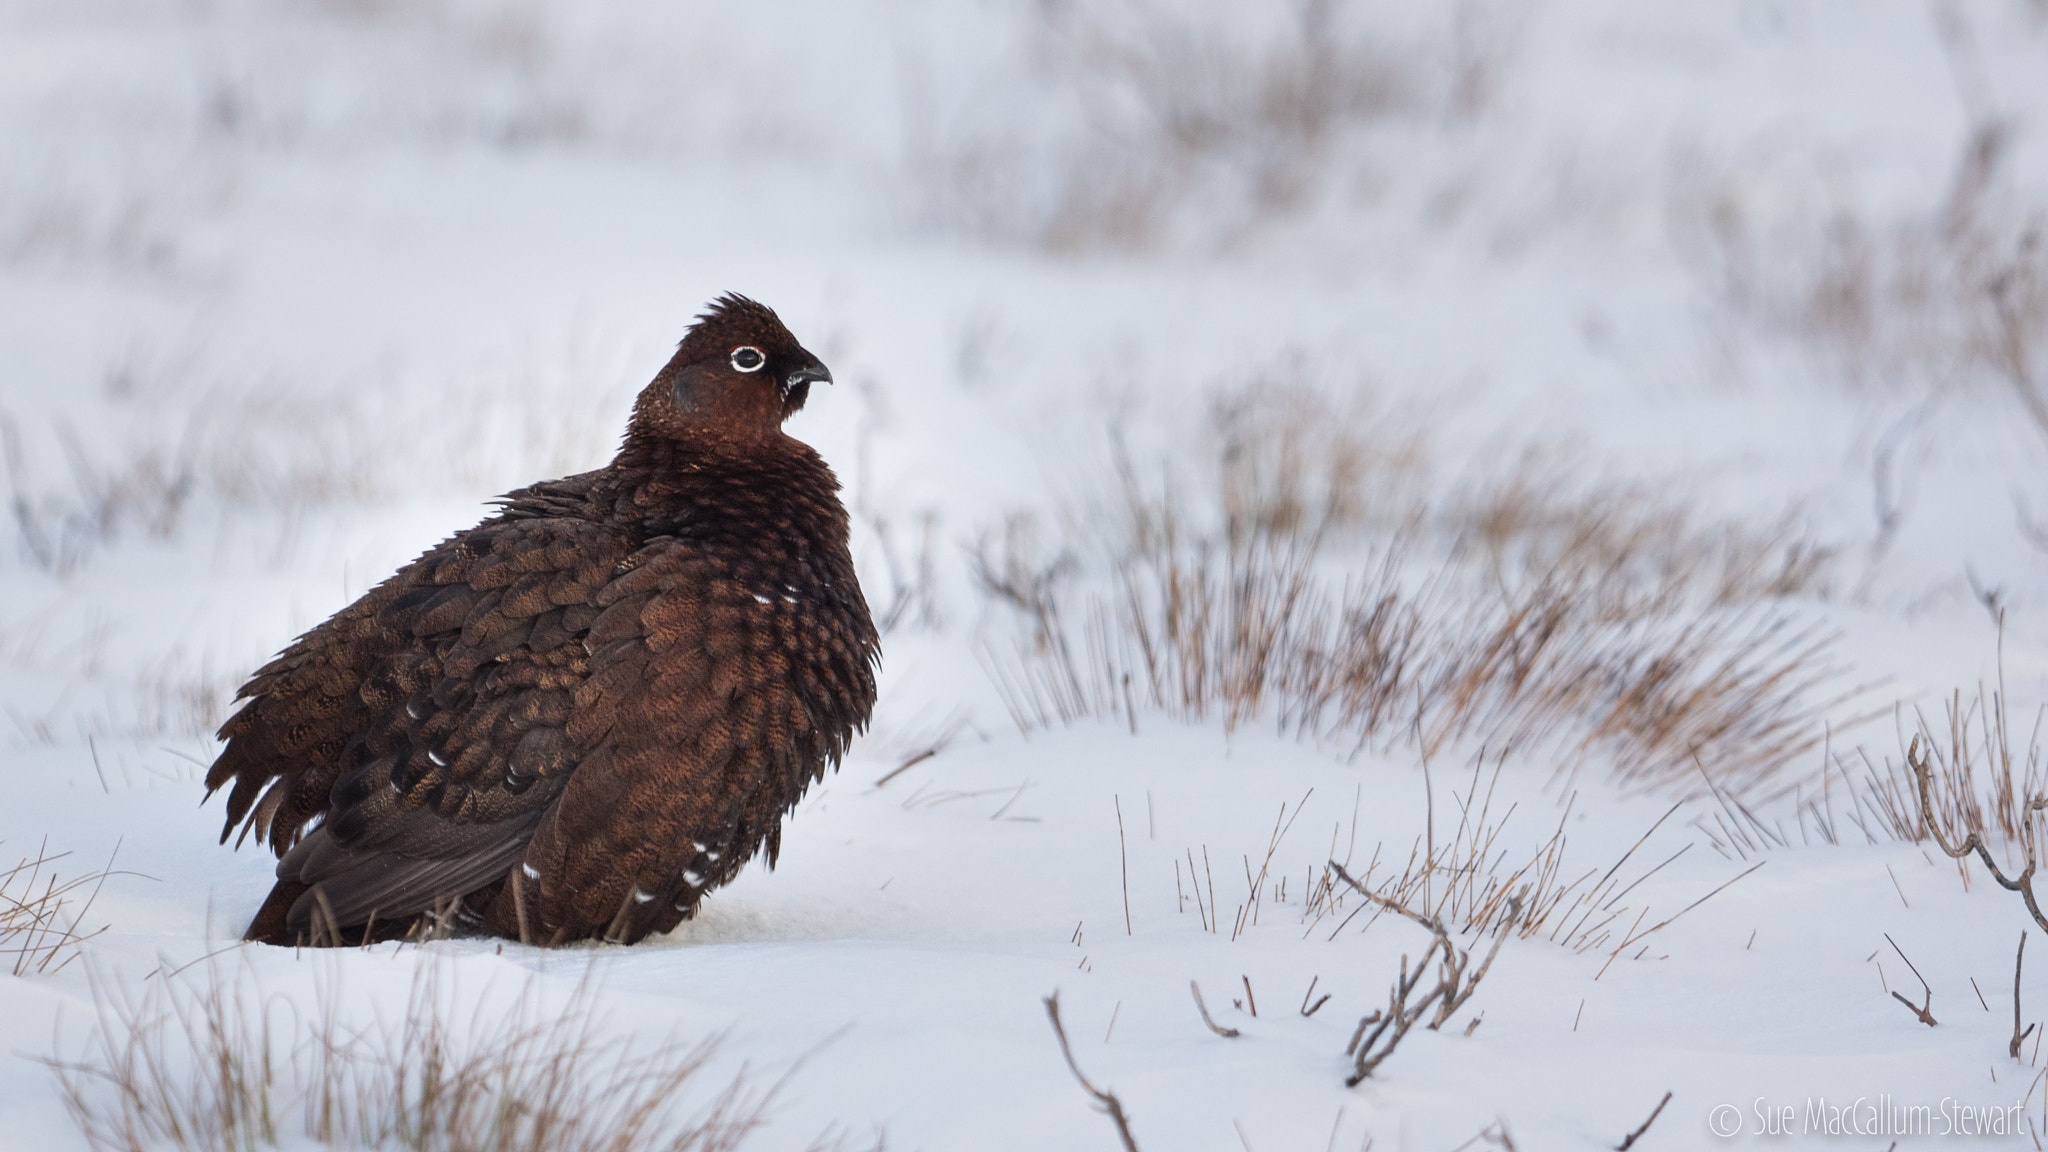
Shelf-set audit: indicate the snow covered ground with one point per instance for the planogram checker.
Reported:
(1724, 310)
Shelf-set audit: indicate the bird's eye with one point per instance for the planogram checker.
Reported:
(747, 358)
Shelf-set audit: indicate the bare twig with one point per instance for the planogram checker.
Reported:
(1364, 1022)
(906, 766)
(1453, 988)
(2018, 959)
(1372, 1052)
(1226, 1033)
(1629, 1140)
(1308, 1009)
(1105, 1100)
(1460, 988)
(1124, 862)
(2023, 883)
(1920, 1010)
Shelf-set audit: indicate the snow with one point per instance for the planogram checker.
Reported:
(293, 289)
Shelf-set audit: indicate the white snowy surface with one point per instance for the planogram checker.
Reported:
(337, 271)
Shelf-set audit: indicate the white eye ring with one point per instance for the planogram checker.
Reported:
(747, 358)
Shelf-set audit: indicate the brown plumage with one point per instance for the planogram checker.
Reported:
(579, 716)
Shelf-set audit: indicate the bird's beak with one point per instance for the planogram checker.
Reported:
(796, 386)
(811, 373)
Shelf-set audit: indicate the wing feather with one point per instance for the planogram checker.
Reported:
(708, 707)
(623, 709)
(422, 723)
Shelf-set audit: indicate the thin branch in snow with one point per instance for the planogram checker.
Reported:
(1105, 1100)
(906, 766)
(1453, 988)
(1920, 1010)
(2023, 882)
(1226, 1033)
(1629, 1140)
(1124, 862)
(1308, 1009)
(2018, 959)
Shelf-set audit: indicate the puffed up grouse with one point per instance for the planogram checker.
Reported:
(576, 718)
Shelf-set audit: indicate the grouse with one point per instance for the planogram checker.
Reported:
(576, 718)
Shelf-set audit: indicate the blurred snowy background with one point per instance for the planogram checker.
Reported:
(1313, 406)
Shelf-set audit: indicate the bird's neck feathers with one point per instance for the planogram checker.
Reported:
(667, 449)
(673, 411)
(680, 465)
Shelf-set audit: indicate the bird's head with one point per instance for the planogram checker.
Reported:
(737, 375)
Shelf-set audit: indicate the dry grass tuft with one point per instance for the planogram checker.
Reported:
(1962, 293)
(1635, 550)
(209, 1063)
(1979, 784)
(1982, 781)
(1202, 99)
(1955, 292)
(1280, 587)
(183, 450)
(39, 931)
(1151, 114)
(1948, 807)
(1474, 883)
(169, 695)
(1464, 883)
